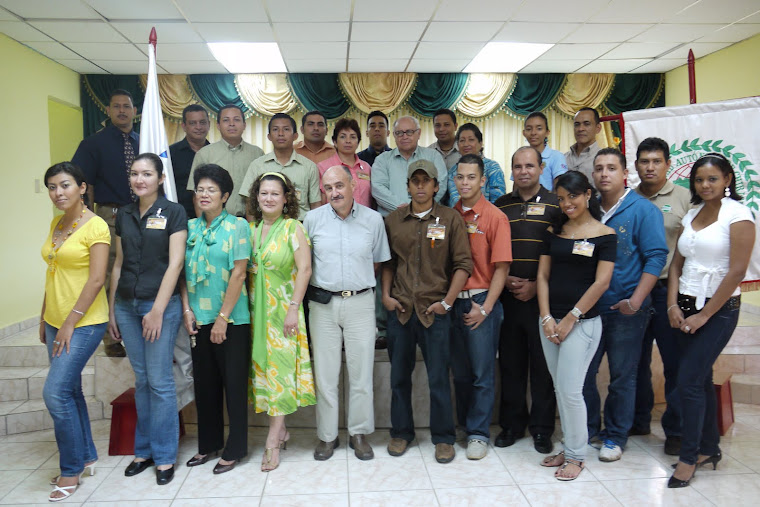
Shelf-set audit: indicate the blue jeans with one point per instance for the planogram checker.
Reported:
(402, 351)
(473, 360)
(621, 340)
(699, 426)
(157, 430)
(667, 343)
(64, 398)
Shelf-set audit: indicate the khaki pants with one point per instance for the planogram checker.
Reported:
(108, 213)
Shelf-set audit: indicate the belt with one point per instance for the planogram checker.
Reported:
(348, 293)
(467, 294)
(688, 304)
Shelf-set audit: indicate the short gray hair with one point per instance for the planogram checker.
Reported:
(415, 120)
(346, 169)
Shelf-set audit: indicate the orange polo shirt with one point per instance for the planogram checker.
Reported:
(326, 151)
(490, 241)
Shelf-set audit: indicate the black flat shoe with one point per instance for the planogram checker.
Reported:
(505, 439)
(194, 462)
(220, 469)
(164, 477)
(543, 443)
(138, 467)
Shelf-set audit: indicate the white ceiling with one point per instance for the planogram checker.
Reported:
(110, 36)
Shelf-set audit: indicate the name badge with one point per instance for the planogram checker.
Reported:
(362, 176)
(436, 231)
(156, 223)
(535, 209)
(472, 227)
(666, 208)
(583, 248)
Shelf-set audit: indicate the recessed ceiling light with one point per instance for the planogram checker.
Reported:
(248, 57)
(506, 56)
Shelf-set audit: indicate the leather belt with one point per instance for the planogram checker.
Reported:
(348, 293)
(467, 294)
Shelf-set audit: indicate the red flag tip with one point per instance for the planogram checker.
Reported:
(153, 39)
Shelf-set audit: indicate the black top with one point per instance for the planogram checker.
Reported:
(572, 273)
(369, 155)
(146, 251)
(101, 157)
(528, 221)
(182, 160)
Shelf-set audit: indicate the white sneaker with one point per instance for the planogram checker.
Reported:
(476, 449)
(610, 451)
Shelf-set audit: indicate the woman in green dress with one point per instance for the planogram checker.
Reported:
(281, 375)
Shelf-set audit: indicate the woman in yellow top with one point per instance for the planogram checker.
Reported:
(74, 318)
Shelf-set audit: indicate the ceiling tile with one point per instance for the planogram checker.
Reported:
(547, 33)
(82, 66)
(469, 31)
(639, 50)
(183, 52)
(305, 50)
(410, 31)
(444, 50)
(123, 66)
(102, 51)
(7, 16)
(754, 18)
(716, 11)
(308, 10)
(219, 11)
(605, 32)
(71, 9)
(235, 32)
(395, 65)
(553, 66)
(193, 67)
(733, 33)
(660, 65)
(53, 50)
(577, 51)
(22, 32)
(299, 32)
(386, 51)
(483, 10)
(700, 49)
(79, 31)
(640, 11)
(394, 10)
(614, 66)
(449, 65)
(559, 11)
(317, 65)
(138, 32)
(136, 9)
(676, 33)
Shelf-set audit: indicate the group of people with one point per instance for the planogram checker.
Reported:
(546, 278)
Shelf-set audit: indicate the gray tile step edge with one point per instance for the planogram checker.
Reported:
(17, 327)
(36, 420)
(745, 388)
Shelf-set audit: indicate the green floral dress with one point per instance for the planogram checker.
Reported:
(281, 377)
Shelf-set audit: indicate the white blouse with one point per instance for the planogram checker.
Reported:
(707, 251)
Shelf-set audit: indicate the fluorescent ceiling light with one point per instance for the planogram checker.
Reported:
(506, 56)
(248, 57)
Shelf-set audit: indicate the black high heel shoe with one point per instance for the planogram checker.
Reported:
(713, 460)
(675, 482)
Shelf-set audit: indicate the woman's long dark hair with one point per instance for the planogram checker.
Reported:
(575, 182)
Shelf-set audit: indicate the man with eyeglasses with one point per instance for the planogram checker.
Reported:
(196, 124)
(389, 185)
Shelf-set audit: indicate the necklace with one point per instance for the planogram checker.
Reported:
(57, 234)
(572, 236)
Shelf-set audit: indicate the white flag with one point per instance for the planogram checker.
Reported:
(152, 131)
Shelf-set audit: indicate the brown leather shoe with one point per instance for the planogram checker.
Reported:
(219, 468)
(444, 453)
(324, 450)
(361, 447)
(397, 446)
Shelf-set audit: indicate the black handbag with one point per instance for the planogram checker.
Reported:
(318, 295)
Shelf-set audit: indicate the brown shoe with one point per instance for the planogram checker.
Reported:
(397, 446)
(324, 450)
(444, 453)
(361, 447)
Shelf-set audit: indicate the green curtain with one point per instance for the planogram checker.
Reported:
(319, 92)
(534, 92)
(436, 91)
(94, 98)
(216, 90)
(635, 91)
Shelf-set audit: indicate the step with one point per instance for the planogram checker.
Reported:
(23, 349)
(745, 388)
(32, 415)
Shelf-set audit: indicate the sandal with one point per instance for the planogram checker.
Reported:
(269, 462)
(555, 460)
(284, 441)
(65, 490)
(568, 462)
(87, 468)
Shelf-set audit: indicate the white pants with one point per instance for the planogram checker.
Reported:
(349, 322)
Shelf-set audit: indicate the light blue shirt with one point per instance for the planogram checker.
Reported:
(389, 187)
(344, 250)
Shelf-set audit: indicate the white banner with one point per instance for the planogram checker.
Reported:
(729, 127)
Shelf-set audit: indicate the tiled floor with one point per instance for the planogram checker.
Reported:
(510, 476)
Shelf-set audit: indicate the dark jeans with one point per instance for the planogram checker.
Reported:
(219, 370)
(473, 360)
(520, 354)
(659, 329)
(621, 340)
(699, 421)
(402, 351)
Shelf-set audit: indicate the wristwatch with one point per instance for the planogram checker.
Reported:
(445, 305)
(575, 312)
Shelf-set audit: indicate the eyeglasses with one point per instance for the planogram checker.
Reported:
(402, 133)
(206, 191)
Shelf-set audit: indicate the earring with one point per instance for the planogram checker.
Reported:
(727, 192)
(284, 209)
(588, 203)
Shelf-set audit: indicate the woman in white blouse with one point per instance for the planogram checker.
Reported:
(713, 252)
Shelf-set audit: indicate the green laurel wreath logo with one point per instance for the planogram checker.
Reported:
(739, 161)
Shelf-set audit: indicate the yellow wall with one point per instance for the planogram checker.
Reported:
(730, 73)
(29, 80)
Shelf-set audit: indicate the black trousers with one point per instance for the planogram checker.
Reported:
(220, 369)
(520, 355)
